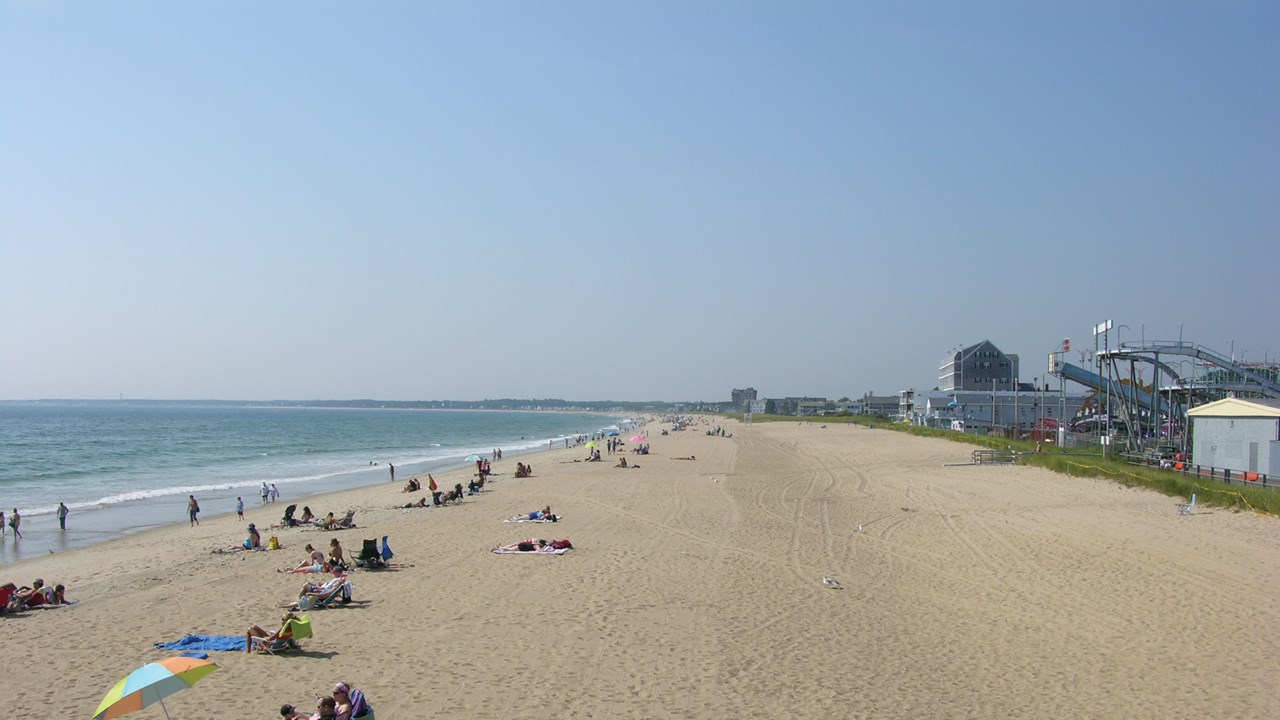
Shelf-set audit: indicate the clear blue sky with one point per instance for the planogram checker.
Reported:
(401, 200)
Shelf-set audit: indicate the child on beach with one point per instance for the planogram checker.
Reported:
(240, 508)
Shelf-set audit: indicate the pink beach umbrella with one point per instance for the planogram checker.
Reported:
(638, 438)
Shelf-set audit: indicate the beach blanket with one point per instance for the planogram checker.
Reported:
(223, 643)
(525, 519)
(548, 550)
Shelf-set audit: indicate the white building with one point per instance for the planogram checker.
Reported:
(1238, 435)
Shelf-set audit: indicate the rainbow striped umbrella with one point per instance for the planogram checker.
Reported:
(150, 684)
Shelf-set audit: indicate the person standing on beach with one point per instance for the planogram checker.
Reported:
(14, 521)
(275, 494)
(2, 530)
(393, 471)
(62, 515)
(265, 492)
(193, 509)
(240, 507)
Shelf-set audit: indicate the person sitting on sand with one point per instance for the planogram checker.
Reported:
(254, 540)
(520, 471)
(412, 486)
(314, 563)
(290, 712)
(283, 635)
(622, 463)
(307, 517)
(336, 557)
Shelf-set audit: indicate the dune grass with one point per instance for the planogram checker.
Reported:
(1079, 464)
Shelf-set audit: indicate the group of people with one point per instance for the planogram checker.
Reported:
(317, 562)
(440, 498)
(27, 597)
(15, 521)
(524, 471)
(269, 493)
(345, 703)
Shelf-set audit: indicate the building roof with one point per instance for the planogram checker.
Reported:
(1238, 407)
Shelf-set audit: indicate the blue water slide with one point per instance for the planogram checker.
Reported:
(1094, 381)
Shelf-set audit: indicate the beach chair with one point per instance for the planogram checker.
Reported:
(299, 629)
(370, 557)
(1189, 507)
(347, 522)
(339, 595)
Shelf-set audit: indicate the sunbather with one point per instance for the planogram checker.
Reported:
(29, 597)
(307, 517)
(311, 593)
(283, 635)
(336, 556)
(530, 545)
(421, 502)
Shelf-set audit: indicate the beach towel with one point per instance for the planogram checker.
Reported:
(221, 643)
(525, 519)
(548, 550)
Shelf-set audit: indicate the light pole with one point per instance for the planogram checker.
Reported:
(1104, 329)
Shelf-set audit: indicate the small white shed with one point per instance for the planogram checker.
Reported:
(1237, 434)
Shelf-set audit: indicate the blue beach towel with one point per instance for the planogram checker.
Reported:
(223, 643)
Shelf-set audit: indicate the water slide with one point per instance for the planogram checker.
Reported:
(1094, 381)
(1254, 382)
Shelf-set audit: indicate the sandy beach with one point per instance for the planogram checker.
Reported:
(695, 591)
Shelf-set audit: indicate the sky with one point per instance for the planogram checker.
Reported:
(629, 201)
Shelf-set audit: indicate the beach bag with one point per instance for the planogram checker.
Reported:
(561, 544)
(306, 602)
(273, 543)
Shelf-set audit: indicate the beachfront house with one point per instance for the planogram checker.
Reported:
(1238, 435)
(978, 367)
(877, 405)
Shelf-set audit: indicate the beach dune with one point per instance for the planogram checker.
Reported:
(695, 590)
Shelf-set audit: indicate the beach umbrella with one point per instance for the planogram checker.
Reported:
(637, 438)
(150, 684)
(474, 458)
(591, 444)
(614, 433)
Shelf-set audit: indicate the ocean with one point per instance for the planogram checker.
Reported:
(123, 468)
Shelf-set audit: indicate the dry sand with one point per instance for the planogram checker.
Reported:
(695, 592)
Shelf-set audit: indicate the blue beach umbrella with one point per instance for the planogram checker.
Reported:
(473, 457)
(614, 433)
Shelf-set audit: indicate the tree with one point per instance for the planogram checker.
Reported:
(770, 407)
